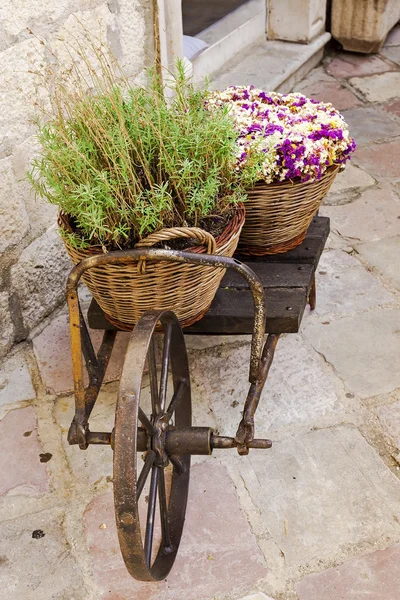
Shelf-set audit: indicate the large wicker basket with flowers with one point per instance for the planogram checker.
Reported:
(128, 169)
(279, 214)
(289, 151)
(125, 292)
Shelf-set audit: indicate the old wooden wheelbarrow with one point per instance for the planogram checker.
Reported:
(153, 437)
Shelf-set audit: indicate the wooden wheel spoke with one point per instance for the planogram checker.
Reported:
(162, 497)
(147, 424)
(148, 463)
(155, 400)
(176, 398)
(151, 511)
(164, 367)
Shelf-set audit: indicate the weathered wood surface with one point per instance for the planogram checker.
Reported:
(286, 279)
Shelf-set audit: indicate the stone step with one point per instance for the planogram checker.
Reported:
(272, 65)
(230, 37)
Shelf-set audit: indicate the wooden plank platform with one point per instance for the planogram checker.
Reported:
(286, 279)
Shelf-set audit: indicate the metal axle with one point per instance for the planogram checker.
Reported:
(181, 440)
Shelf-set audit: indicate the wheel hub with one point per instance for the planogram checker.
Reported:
(158, 440)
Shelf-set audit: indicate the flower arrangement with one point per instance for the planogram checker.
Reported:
(129, 167)
(283, 136)
(122, 162)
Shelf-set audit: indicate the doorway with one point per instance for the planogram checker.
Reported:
(198, 15)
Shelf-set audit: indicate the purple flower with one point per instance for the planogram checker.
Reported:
(266, 97)
(350, 148)
(254, 127)
(270, 129)
(301, 102)
(304, 128)
(326, 131)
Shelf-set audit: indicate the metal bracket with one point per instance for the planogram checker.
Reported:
(245, 433)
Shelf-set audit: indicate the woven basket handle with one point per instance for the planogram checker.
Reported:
(194, 233)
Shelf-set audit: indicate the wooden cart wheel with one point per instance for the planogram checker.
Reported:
(146, 557)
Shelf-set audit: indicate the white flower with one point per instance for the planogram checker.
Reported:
(290, 134)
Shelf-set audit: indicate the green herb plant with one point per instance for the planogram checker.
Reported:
(123, 161)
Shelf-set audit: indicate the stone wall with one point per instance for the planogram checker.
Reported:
(33, 263)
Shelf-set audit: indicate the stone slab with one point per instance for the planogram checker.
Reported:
(384, 256)
(364, 350)
(53, 352)
(380, 125)
(7, 326)
(393, 107)
(93, 466)
(14, 22)
(392, 53)
(321, 494)
(41, 213)
(380, 160)
(389, 418)
(77, 27)
(355, 65)
(15, 380)
(131, 35)
(126, 27)
(38, 566)
(22, 473)
(217, 542)
(378, 88)
(330, 91)
(14, 222)
(272, 65)
(315, 76)
(220, 379)
(320, 86)
(19, 91)
(351, 180)
(337, 242)
(259, 596)
(373, 216)
(344, 286)
(39, 277)
(393, 39)
(375, 575)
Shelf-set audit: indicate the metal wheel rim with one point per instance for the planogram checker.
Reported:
(127, 483)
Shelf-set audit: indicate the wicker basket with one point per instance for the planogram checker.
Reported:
(279, 214)
(125, 292)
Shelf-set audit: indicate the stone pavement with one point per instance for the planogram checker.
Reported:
(317, 517)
